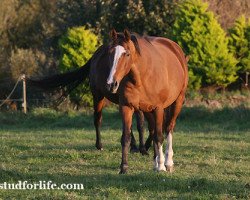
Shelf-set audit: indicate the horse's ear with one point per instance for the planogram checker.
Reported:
(127, 35)
(113, 34)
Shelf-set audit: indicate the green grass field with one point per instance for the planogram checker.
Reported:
(212, 156)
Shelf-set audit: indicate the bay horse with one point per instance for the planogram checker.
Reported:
(146, 74)
(97, 69)
(149, 74)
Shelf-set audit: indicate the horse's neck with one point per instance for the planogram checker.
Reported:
(135, 76)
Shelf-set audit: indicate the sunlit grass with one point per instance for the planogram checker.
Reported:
(212, 149)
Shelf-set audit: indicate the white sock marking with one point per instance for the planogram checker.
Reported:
(156, 163)
(161, 159)
(119, 50)
(169, 151)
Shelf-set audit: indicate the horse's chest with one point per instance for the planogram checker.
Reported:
(129, 95)
(133, 96)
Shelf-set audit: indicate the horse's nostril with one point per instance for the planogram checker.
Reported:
(112, 87)
(108, 86)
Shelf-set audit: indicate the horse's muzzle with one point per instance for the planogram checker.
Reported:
(113, 87)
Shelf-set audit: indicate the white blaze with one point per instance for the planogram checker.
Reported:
(119, 50)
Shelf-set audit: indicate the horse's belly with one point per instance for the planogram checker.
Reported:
(163, 94)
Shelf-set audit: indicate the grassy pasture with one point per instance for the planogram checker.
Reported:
(212, 156)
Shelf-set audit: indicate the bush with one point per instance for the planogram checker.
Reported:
(239, 43)
(201, 37)
(77, 46)
(26, 61)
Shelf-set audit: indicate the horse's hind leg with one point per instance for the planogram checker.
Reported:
(151, 129)
(98, 105)
(133, 147)
(140, 127)
(171, 114)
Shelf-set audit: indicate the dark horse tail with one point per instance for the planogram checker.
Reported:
(70, 80)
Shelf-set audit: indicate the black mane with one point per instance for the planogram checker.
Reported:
(134, 39)
(136, 44)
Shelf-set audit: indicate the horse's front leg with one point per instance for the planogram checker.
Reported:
(158, 140)
(127, 113)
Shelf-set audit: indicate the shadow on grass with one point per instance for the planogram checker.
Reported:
(191, 119)
(50, 119)
(201, 119)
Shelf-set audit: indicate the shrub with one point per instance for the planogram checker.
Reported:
(239, 43)
(201, 37)
(77, 47)
(26, 61)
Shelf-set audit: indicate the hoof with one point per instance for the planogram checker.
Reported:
(147, 145)
(161, 168)
(124, 169)
(134, 150)
(170, 168)
(99, 147)
(143, 151)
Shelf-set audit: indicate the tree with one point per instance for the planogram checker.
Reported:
(25, 61)
(77, 47)
(154, 17)
(26, 31)
(227, 15)
(201, 37)
(239, 44)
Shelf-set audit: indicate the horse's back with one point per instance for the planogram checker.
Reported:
(171, 45)
(178, 53)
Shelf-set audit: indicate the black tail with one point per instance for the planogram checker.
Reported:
(70, 80)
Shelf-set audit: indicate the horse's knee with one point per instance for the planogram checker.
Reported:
(97, 118)
(171, 127)
(159, 138)
(125, 139)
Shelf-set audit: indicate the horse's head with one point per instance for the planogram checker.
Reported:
(122, 53)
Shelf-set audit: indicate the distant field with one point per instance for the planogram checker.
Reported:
(212, 156)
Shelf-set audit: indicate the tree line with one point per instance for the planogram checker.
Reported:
(41, 37)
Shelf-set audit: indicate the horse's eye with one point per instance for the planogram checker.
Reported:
(127, 54)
